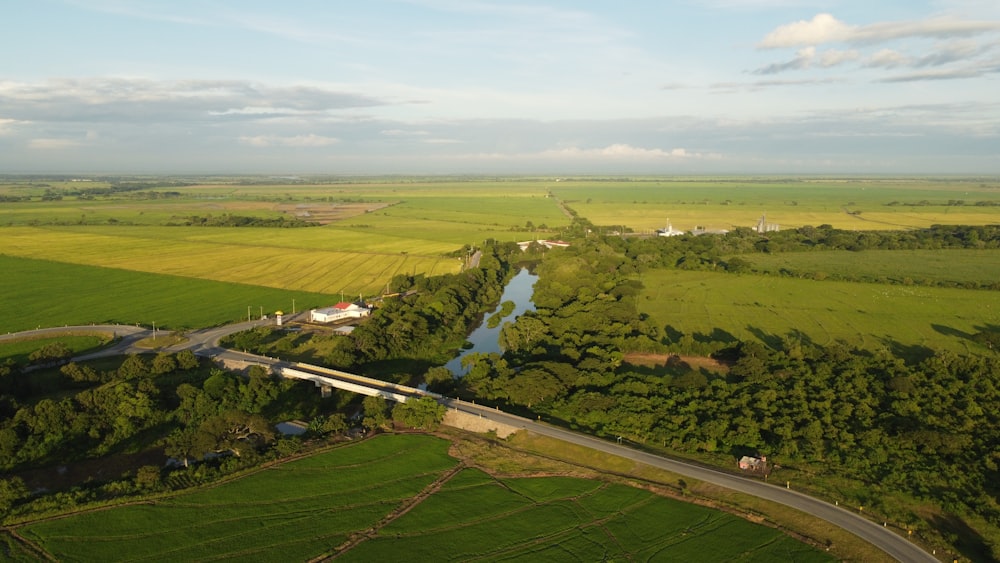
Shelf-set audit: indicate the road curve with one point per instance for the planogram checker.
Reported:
(206, 343)
(893, 544)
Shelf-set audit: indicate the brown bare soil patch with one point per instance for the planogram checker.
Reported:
(65, 476)
(660, 360)
(325, 213)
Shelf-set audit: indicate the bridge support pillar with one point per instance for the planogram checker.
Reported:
(325, 391)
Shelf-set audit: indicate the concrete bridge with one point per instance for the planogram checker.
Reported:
(327, 379)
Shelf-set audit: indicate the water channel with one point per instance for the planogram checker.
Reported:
(485, 339)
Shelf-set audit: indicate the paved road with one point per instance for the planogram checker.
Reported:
(206, 343)
(895, 545)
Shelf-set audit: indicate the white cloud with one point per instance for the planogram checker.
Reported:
(7, 125)
(808, 57)
(834, 57)
(131, 100)
(621, 151)
(825, 28)
(887, 58)
(310, 140)
(53, 144)
(404, 133)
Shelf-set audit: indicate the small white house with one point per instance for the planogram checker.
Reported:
(340, 311)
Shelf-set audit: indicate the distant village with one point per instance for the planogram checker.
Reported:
(761, 227)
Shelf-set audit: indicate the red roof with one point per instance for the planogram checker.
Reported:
(343, 305)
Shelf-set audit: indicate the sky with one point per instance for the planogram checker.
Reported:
(500, 87)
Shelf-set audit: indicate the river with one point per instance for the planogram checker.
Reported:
(485, 339)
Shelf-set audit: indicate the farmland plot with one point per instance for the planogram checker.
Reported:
(867, 314)
(331, 502)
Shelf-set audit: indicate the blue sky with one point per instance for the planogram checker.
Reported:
(490, 86)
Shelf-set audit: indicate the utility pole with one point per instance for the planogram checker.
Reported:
(262, 311)
(249, 318)
(293, 306)
(154, 330)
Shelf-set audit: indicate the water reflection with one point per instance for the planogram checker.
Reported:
(485, 339)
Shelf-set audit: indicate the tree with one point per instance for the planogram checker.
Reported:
(375, 412)
(182, 445)
(133, 367)
(258, 391)
(12, 490)
(533, 385)
(234, 431)
(439, 379)
(148, 477)
(50, 352)
(186, 360)
(80, 373)
(164, 363)
(424, 413)
(332, 424)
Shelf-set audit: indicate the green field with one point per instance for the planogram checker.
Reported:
(768, 307)
(41, 293)
(420, 225)
(19, 350)
(310, 507)
(958, 266)
(290, 259)
(725, 203)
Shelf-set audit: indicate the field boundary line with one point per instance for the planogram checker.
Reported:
(406, 506)
(29, 545)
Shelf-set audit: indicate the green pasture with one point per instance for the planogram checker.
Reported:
(292, 512)
(19, 350)
(309, 507)
(766, 308)
(726, 203)
(116, 211)
(958, 266)
(570, 519)
(41, 293)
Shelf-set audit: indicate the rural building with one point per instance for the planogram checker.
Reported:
(750, 463)
(763, 226)
(546, 243)
(340, 311)
(668, 231)
(699, 230)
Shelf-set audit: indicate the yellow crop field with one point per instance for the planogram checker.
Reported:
(147, 250)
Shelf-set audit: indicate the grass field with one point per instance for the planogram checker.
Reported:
(309, 507)
(768, 307)
(413, 226)
(729, 202)
(570, 519)
(19, 350)
(42, 293)
(959, 266)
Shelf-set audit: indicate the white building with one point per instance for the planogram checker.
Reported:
(669, 231)
(340, 311)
